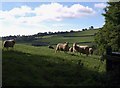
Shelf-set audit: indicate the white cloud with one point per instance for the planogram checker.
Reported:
(22, 29)
(100, 5)
(53, 11)
(25, 20)
(20, 11)
(59, 25)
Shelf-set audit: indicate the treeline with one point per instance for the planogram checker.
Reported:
(27, 38)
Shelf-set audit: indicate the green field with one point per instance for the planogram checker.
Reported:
(27, 65)
(83, 38)
(36, 66)
(76, 37)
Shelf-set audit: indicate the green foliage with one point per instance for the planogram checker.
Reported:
(109, 35)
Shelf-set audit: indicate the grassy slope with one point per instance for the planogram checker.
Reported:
(76, 37)
(88, 32)
(29, 65)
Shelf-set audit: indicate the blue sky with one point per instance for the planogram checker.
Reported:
(27, 18)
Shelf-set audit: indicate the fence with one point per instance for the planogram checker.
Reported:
(113, 64)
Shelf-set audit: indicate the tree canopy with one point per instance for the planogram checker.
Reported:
(109, 35)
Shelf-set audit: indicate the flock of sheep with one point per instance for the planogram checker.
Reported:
(60, 47)
(75, 48)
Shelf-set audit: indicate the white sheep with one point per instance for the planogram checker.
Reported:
(62, 47)
(9, 43)
(81, 49)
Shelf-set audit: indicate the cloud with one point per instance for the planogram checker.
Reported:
(100, 5)
(26, 19)
(59, 25)
(22, 11)
(46, 12)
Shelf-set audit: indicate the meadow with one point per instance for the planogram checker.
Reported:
(81, 37)
(27, 65)
(35, 66)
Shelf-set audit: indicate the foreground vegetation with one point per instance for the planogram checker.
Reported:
(41, 66)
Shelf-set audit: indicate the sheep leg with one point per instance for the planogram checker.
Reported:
(73, 50)
(56, 49)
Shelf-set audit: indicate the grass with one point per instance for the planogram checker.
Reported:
(76, 37)
(56, 40)
(84, 37)
(83, 33)
(27, 65)
(40, 66)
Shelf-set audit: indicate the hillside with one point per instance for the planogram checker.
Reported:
(28, 65)
(81, 37)
(41, 66)
(84, 36)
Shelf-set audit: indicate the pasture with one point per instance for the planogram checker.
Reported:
(83, 38)
(40, 66)
(28, 65)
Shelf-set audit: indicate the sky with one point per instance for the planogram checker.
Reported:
(28, 18)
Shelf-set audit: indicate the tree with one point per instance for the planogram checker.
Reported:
(83, 29)
(91, 27)
(71, 31)
(109, 35)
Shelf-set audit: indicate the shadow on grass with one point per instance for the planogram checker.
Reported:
(24, 69)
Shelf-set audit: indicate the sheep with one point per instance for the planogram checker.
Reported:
(62, 47)
(81, 49)
(51, 47)
(76, 48)
(9, 43)
(91, 51)
(71, 49)
(83, 46)
(85, 50)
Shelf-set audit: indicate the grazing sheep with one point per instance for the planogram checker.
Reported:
(62, 47)
(71, 49)
(9, 43)
(51, 47)
(81, 49)
(76, 48)
(91, 51)
(83, 46)
(85, 50)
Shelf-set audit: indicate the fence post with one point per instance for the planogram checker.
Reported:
(113, 65)
(109, 50)
(108, 61)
